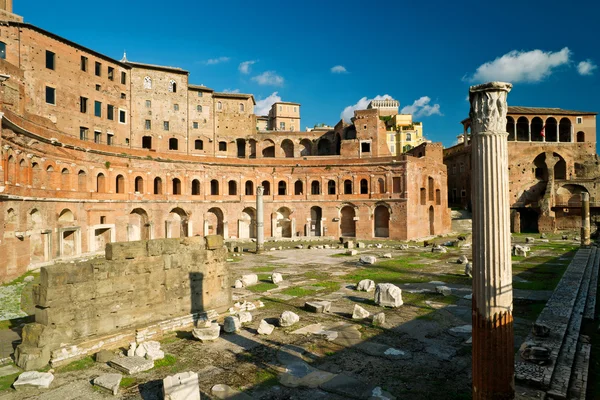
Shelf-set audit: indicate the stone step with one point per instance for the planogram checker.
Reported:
(590, 307)
(579, 375)
(555, 315)
(559, 384)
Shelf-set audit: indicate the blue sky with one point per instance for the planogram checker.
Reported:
(424, 54)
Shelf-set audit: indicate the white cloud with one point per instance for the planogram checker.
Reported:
(422, 108)
(269, 78)
(213, 61)
(244, 67)
(339, 69)
(586, 67)
(521, 66)
(231, 90)
(361, 104)
(263, 106)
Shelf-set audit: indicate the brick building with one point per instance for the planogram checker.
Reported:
(96, 150)
(552, 159)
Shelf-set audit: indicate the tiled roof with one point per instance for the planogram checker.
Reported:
(545, 111)
(234, 95)
(200, 87)
(158, 67)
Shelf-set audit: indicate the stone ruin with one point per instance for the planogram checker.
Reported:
(139, 291)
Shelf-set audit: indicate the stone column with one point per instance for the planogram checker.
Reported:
(493, 351)
(260, 216)
(585, 219)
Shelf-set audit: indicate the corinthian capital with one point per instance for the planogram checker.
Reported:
(488, 107)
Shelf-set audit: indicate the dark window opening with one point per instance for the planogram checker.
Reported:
(331, 187)
(123, 78)
(173, 144)
(195, 187)
(347, 186)
(98, 68)
(50, 95)
(282, 188)
(111, 73)
(147, 142)
(198, 144)
(50, 58)
(97, 108)
(84, 63)
(122, 116)
(222, 146)
(365, 147)
(83, 104)
(110, 112)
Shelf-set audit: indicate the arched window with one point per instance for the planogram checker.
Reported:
(232, 188)
(157, 185)
(173, 144)
(282, 188)
(331, 187)
(176, 186)
(408, 136)
(266, 188)
(580, 137)
(120, 184)
(195, 187)
(139, 184)
(199, 108)
(219, 106)
(198, 144)
(172, 86)
(3, 50)
(249, 188)
(347, 186)
(241, 107)
(298, 187)
(100, 183)
(147, 83)
(82, 181)
(364, 186)
(214, 187)
(381, 184)
(64, 177)
(315, 187)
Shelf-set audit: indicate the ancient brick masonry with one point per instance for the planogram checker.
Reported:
(138, 284)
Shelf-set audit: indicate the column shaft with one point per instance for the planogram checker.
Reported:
(260, 217)
(585, 219)
(493, 352)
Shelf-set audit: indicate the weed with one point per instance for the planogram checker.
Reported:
(297, 292)
(127, 382)
(165, 362)
(261, 287)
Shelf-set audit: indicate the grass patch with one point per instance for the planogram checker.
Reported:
(165, 362)
(528, 309)
(396, 271)
(127, 382)
(266, 378)
(78, 365)
(21, 279)
(543, 273)
(7, 381)
(316, 275)
(170, 339)
(261, 287)
(298, 292)
(328, 285)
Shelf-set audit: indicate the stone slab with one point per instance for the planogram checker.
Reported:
(33, 379)
(182, 386)
(8, 370)
(131, 365)
(109, 382)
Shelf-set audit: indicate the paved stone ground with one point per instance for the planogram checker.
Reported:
(417, 354)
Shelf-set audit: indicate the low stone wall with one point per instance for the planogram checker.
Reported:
(159, 285)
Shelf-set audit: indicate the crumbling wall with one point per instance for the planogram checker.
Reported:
(136, 285)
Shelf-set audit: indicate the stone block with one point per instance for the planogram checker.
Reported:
(443, 290)
(317, 306)
(125, 250)
(368, 259)
(109, 382)
(264, 328)
(349, 244)
(361, 245)
(244, 317)
(288, 318)
(207, 333)
(250, 279)
(232, 324)
(225, 392)
(388, 295)
(214, 242)
(276, 278)
(104, 356)
(131, 365)
(182, 386)
(387, 255)
(462, 259)
(366, 285)
(359, 312)
(469, 269)
(379, 319)
(352, 252)
(33, 379)
(30, 358)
